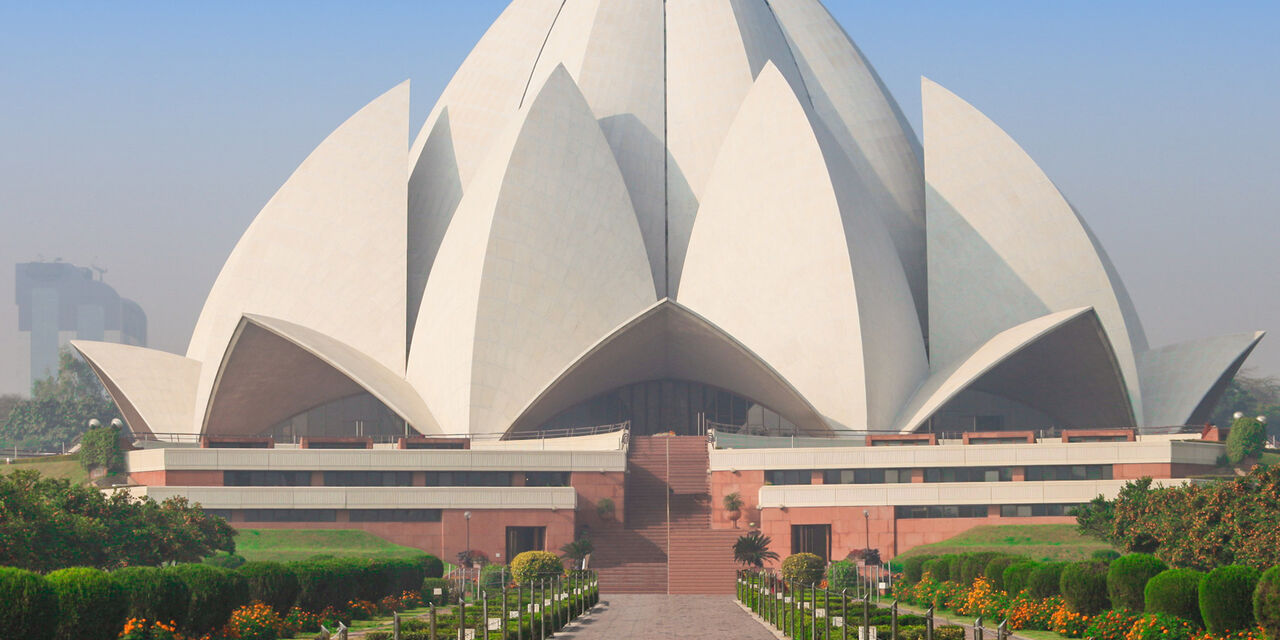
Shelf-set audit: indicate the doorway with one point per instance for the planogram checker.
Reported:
(521, 539)
(812, 538)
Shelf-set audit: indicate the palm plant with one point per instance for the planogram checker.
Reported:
(578, 549)
(733, 504)
(752, 550)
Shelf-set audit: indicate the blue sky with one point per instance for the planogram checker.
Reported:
(144, 136)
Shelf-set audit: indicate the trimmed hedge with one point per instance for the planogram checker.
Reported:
(324, 583)
(806, 568)
(955, 566)
(215, 593)
(432, 565)
(154, 594)
(994, 571)
(429, 586)
(532, 565)
(1226, 599)
(271, 584)
(91, 606)
(912, 568)
(30, 605)
(973, 564)
(1127, 579)
(844, 575)
(1017, 576)
(1105, 555)
(1045, 580)
(1084, 587)
(1266, 602)
(1175, 592)
(938, 568)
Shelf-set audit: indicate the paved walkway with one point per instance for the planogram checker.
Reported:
(659, 617)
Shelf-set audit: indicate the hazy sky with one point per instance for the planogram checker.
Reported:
(144, 136)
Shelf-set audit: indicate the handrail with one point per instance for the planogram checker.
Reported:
(547, 434)
(759, 431)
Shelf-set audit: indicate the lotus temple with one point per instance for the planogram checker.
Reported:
(643, 255)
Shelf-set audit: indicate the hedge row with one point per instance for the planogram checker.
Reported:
(89, 604)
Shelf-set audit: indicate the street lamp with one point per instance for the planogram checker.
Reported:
(866, 518)
(467, 515)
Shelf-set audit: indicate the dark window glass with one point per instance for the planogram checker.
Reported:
(1069, 472)
(368, 478)
(1035, 510)
(943, 511)
(468, 478)
(789, 476)
(546, 479)
(394, 515)
(968, 474)
(290, 515)
(266, 478)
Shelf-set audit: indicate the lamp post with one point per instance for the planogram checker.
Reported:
(467, 515)
(866, 518)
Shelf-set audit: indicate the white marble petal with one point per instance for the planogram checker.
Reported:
(1182, 383)
(155, 390)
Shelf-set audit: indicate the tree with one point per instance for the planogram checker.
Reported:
(60, 408)
(733, 505)
(1252, 396)
(752, 550)
(1246, 439)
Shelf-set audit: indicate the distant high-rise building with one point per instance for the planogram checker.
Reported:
(59, 302)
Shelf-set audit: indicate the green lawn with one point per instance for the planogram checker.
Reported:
(283, 545)
(65, 467)
(1038, 541)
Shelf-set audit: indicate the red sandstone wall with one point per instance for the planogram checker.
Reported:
(747, 484)
(177, 478)
(591, 487)
(848, 528)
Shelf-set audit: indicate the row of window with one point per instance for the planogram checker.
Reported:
(394, 478)
(331, 515)
(940, 474)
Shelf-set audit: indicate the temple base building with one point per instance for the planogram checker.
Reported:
(646, 254)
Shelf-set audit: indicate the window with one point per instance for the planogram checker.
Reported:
(290, 515)
(943, 511)
(225, 514)
(1070, 472)
(368, 478)
(468, 478)
(546, 479)
(866, 476)
(1035, 510)
(394, 515)
(969, 474)
(266, 478)
(789, 476)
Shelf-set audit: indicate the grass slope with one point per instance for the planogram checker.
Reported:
(283, 545)
(1037, 541)
(65, 467)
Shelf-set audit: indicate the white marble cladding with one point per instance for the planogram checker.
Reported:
(369, 497)
(945, 493)
(373, 459)
(1154, 451)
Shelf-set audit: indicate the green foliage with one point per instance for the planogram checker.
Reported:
(100, 447)
(1252, 396)
(1017, 576)
(1127, 579)
(49, 524)
(1246, 439)
(1226, 599)
(578, 549)
(994, 571)
(955, 567)
(154, 594)
(733, 502)
(272, 584)
(1084, 587)
(844, 575)
(1111, 625)
(604, 508)
(91, 606)
(432, 566)
(60, 408)
(225, 560)
(752, 550)
(30, 606)
(1266, 602)
(1045, 579)
(1105, 555)
(1175, 592)
(429, 594)
(215, 593)
(494, 576)
(913, 567)
(939, 568)
(803, 567)
(973, 565)
(532, 565)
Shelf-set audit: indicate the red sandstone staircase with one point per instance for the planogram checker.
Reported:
(667, 544)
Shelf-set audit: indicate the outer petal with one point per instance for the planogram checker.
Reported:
(799, 275)
(544, 256)
(155, 390)
(1182, 383)
(328, 250)
(1004, 246)
(1069, 370)
(668, 341)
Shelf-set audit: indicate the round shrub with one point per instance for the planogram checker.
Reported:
(1246, 439)
(532, 565)
(912, 568)
(955, 567)
(1226, 599)
(30, 608)
(154, 594)
(429, 595)
(1127, 579)
(432, 566)
(994, 571)
(806, 568)
(215, 593)
(271, 584)
(1175, 592)
(1266, 602)
(324, 584)
(1045, 579)
(1104, 555)
(91, 606)
(973, 565)
(225, 560)
(938, 568)
(1017, 576)
(1084, 587)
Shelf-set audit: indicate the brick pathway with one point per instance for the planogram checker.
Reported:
(660, 617)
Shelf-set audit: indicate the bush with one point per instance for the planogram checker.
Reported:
(1105, 555)
(1266, 602)
(937, 568)
(1226, 599)
(803, 567)
(1112, 625)
(912, 568)
(1246, 439)
(844, 575)
(1127, 579)
(91, 606)
(257, 621)
(324, 584)
(100, 447)
(973, 565)
(429, 595)
(494, 576)
(532, 565)
(1045, 579)
(1175, 592)
(154, 594)
(955, 567)
(215, 593)
(994, 571)
(1160, 626)
(1084, 587)
(30, 608)
(1017, 576)
(272, 584)
(432, 566)
(225, 560)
